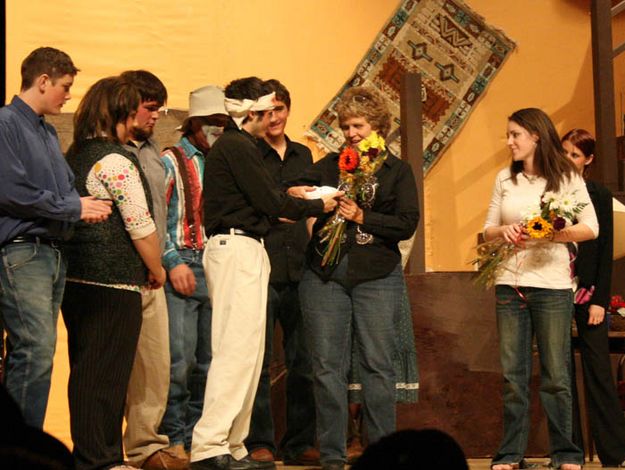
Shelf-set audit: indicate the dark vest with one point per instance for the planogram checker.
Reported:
(103, 252)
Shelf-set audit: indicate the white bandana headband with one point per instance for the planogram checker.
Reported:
(238, 109)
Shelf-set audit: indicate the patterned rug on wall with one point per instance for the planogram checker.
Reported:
(455, 51)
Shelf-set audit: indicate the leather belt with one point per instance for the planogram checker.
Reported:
(31, 239)
(237, 231)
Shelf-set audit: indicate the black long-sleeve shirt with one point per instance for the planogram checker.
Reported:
(286, 243)
(393, 217)
(240, 193)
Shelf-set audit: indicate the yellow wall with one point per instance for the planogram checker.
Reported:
(313, 46)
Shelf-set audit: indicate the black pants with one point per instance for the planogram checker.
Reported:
(607, 423)
(103, 326)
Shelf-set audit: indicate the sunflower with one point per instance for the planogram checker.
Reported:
(539, 228)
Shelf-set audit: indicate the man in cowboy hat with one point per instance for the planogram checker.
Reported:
(186, 291)
(239, 198)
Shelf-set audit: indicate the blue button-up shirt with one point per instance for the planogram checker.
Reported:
(37, 195)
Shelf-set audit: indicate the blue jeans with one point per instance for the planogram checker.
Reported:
(190, 350)
(547, 314)
(32, 280)
(283, 306)
(331, 312)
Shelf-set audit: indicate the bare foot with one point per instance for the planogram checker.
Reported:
(503, 466)
(570, 466)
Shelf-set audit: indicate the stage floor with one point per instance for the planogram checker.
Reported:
(484, 464)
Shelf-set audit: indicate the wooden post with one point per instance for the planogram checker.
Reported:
(412, 153)
(603, 78)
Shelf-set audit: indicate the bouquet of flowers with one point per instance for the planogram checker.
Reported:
(357, 179)
(554, 212)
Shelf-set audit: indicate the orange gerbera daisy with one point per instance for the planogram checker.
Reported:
(348, 160)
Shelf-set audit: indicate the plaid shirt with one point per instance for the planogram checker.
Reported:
(179, 235)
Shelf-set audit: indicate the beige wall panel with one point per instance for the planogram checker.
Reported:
(313, 46)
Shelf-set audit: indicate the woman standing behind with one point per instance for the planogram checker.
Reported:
(362, 291)
(108, 264)
(593, 268)
(534, 290)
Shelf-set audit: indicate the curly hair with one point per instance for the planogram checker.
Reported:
(365, 102)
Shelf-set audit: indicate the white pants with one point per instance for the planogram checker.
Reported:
(146, 398)
(237, 271)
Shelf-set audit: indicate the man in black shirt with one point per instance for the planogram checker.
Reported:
(285, 244)
(239, 200)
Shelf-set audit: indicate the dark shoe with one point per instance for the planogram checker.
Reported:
(310, 457)
(333, 465)
(262, 454)
(246, 463)
(219, 462)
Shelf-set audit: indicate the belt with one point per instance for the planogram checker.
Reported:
(237, 231)
(31, 239)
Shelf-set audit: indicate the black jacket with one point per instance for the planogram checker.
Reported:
(393, 217)
(593, 265)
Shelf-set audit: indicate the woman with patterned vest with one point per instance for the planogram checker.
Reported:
(108, 265)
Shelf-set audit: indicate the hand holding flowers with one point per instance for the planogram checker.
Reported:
(349, 210)
(543, 222)
(357, 168)
(515, 234)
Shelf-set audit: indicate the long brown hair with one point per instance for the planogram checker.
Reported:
(550, 159)
(108, 102)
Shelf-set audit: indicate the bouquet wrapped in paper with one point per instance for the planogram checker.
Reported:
(357, 168)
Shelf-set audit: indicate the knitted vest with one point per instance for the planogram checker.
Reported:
(103, 252)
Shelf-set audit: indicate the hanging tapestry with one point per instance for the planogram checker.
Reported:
(457, 55)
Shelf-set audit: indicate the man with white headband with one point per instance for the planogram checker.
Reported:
(186, 290)
(286, 244)
(239, 198)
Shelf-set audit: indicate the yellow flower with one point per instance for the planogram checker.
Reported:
(377, 142)
(373, 140)
(539, 228)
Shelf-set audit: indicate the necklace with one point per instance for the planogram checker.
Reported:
(530, 178)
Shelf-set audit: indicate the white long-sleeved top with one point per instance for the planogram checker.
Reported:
(541, 263)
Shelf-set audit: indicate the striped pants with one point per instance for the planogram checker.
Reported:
(103, 326)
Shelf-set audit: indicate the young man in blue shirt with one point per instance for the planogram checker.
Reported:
(38, 204)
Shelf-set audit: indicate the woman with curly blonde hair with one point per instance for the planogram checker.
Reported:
(359, 294)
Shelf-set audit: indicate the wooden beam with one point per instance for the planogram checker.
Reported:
(412, 152)
(618, 49)
(618, 8)
(603, 78)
